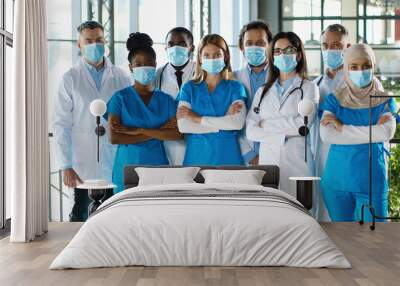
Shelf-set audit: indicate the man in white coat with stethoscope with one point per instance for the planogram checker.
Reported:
(73, 126)
(334, 40)
(254, 38)
(170, 77)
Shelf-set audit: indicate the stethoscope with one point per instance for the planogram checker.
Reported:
(162, 74)
(257, 108)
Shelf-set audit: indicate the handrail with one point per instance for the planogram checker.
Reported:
(58, 188)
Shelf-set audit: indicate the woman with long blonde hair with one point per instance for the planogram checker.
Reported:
(212, 108)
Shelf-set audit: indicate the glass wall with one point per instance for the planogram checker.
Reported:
(371, 21)
(231, 19)
(166, 10)
(6, 44)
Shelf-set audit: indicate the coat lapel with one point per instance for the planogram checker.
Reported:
(87, 75)
(107, 72)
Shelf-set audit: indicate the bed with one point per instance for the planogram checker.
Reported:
(198, 224)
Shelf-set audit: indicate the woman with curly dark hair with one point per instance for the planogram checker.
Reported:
(140, 117)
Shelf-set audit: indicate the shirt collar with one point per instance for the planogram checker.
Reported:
(92, 68)
(251, 71)
(185, 70)
(339, 75)
(287, 82)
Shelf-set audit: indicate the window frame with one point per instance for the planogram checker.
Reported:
(6, 39)
(358, 18)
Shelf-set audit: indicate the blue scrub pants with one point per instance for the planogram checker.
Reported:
(346, 206)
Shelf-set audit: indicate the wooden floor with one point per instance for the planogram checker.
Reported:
(375, 257)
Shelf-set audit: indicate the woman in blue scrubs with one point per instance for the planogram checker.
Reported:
(212, 108)
(345, 125)
(140, 117)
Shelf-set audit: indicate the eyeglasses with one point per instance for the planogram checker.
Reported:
(286, 51)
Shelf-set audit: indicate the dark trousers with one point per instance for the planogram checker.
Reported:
(79, 211)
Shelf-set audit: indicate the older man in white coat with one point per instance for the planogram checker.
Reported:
(334, 40)
(254, 38)
(93, 77)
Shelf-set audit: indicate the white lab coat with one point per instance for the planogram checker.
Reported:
(242, 75)
(276, 128)
(320, 149)
(74, 126)
(166, 82)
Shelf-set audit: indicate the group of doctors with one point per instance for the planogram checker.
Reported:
(201, 113)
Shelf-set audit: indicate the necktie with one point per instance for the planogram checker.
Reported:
(179, 75)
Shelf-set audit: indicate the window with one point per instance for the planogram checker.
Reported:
(165, 12)
(232, 16)
(371, 21)
(6, 43)
(9, 15)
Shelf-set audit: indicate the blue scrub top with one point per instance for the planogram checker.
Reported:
(130, 108)
(257, 80)
(346, 169)
(97, 75)
(218, 148)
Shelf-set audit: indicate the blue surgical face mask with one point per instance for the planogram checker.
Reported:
(333, 58)
(255, 55)
(361, 78)
(144, 75)
(93, 52)
(285, 63)
(213, 66)
(177, 55)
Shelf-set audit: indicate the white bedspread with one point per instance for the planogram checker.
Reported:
(203, 231)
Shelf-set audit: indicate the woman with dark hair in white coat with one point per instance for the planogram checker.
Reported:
(273, 119)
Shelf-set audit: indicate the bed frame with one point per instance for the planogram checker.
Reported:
(270, 179)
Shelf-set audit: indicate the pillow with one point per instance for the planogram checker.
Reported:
(248, 177)
(166, 176)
